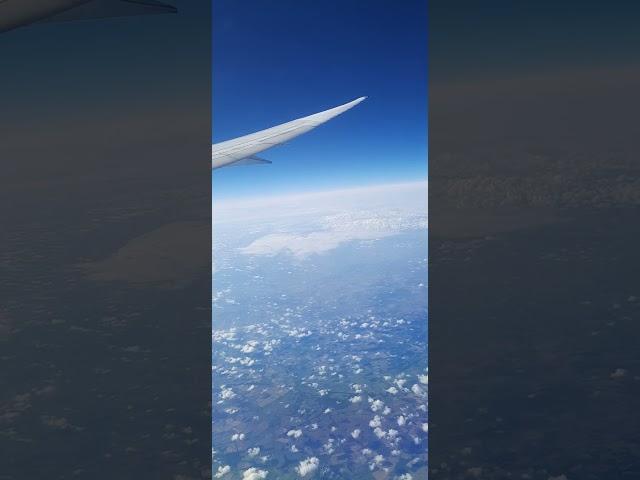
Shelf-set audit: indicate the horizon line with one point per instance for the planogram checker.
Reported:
(277, 196)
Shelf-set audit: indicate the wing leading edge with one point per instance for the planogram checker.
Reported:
(238, 150)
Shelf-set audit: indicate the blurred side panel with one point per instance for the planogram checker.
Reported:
(534, 207)
(106, 280)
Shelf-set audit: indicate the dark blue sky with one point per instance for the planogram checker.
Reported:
(276, 61)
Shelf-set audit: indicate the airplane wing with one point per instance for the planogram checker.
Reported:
(243, 150)
(96, 9)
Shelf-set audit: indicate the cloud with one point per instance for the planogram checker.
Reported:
(250, 347)
(339, 230)
(408, 196)
(294, 433)
(400, 382)
(308, 466)
(254, 474)
(222, 471)
(226, 393)
(417, 389)
(377, 460)
(254, 452)
(356, 433)
(376, 422)
(334, 218)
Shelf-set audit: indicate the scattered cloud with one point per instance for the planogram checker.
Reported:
(254, 452)
(254, 474)
(308, 466)
(222, 471)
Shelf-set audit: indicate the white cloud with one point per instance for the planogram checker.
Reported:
(307, 466)
(402, 421)
(222, 471)
(375, 422)
(254, 452)
(345, 216)
(328, 447)
(254, 474)
(400, 382)
(407, 196)
(377, 405)
(250, 347)
(417, 389)
(294, 433)
(226, 393)
(377, 460)
(355, 433)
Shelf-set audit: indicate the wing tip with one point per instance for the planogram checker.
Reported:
(357, 101)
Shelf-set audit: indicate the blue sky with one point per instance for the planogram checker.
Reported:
(276, 61)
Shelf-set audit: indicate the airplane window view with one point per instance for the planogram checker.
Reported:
(293, 310)
(319, 362)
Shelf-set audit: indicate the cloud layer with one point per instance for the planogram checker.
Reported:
(320, 222)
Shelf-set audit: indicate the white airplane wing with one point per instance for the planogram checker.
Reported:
(243, 150)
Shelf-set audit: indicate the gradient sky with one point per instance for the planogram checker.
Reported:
(277, 61)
